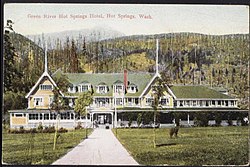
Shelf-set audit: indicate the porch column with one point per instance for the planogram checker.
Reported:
(43, 119)
(188, 119)
(112, 119)
(115, 118)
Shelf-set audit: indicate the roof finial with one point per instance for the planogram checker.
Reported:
(46, 61)
(156, 61)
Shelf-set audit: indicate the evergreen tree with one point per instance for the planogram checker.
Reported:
(11, 74)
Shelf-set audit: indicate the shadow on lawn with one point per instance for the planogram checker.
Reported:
(166, 144)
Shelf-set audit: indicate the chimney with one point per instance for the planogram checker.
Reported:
(125, 79)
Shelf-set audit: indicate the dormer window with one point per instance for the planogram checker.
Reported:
(118, 89)
(45, 87)
(132, 88)
(102, 88)
(84, 88)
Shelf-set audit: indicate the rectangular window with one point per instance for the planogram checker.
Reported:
(232, 103)
(219, 103)
(33, 116)
(45, 87)
(175, 103)
(119, 101)
(53, 116)
(200, 102)
(213, 102)
(18, 115)
(84, 88)
(136, 101)
(46, 116)
(38, 101)
(72, 116)
(207, 103)
(118, 89)
(102, 89)
(226, 103)
(163, 101)
(149, 101)
(51, 99)
(181, 103)
(194, 103)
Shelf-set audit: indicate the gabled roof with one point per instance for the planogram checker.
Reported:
(102, 83)
(45, 74)
(118, 82)
(132, 84)
(84, 82)
(140, 79)
(150, 83)
(197, 92)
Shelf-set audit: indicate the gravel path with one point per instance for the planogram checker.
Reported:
(101, 148)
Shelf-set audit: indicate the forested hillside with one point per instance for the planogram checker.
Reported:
(188, 58)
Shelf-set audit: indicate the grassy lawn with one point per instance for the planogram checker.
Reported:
(37, 148)
(194, 146)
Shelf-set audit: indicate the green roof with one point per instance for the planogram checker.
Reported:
(139, 79)
(118, 82)
(197, 92)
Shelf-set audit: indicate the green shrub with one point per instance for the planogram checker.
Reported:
(21, 129)
(218, 118)
(79, 125)
(129, 122)
(201, 119)
(40, 127)
(50, 129)
(62, 130)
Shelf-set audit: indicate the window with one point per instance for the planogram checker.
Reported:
(232, 103)
(207, 103)
(53, 116)
(84, 88)
(181, 103)
(163, 101)
(38, 101)
(45, 87)
(51, 99)
(149, 101)
(102, 89)
(226, 103)
(33, 116)
(136, 101)
(132, 89)
(46, 116)
(213, 102)
(118, 89)
(219, 103)
(200, 102)
(194, 103)
(72, 89)
(119, 101)
(72, 116)
(100, 102)
(19, 115)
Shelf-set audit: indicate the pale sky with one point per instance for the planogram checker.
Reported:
(206, 19)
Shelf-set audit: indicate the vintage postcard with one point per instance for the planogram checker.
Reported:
(125, 84)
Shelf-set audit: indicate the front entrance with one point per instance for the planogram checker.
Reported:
(102, 118)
